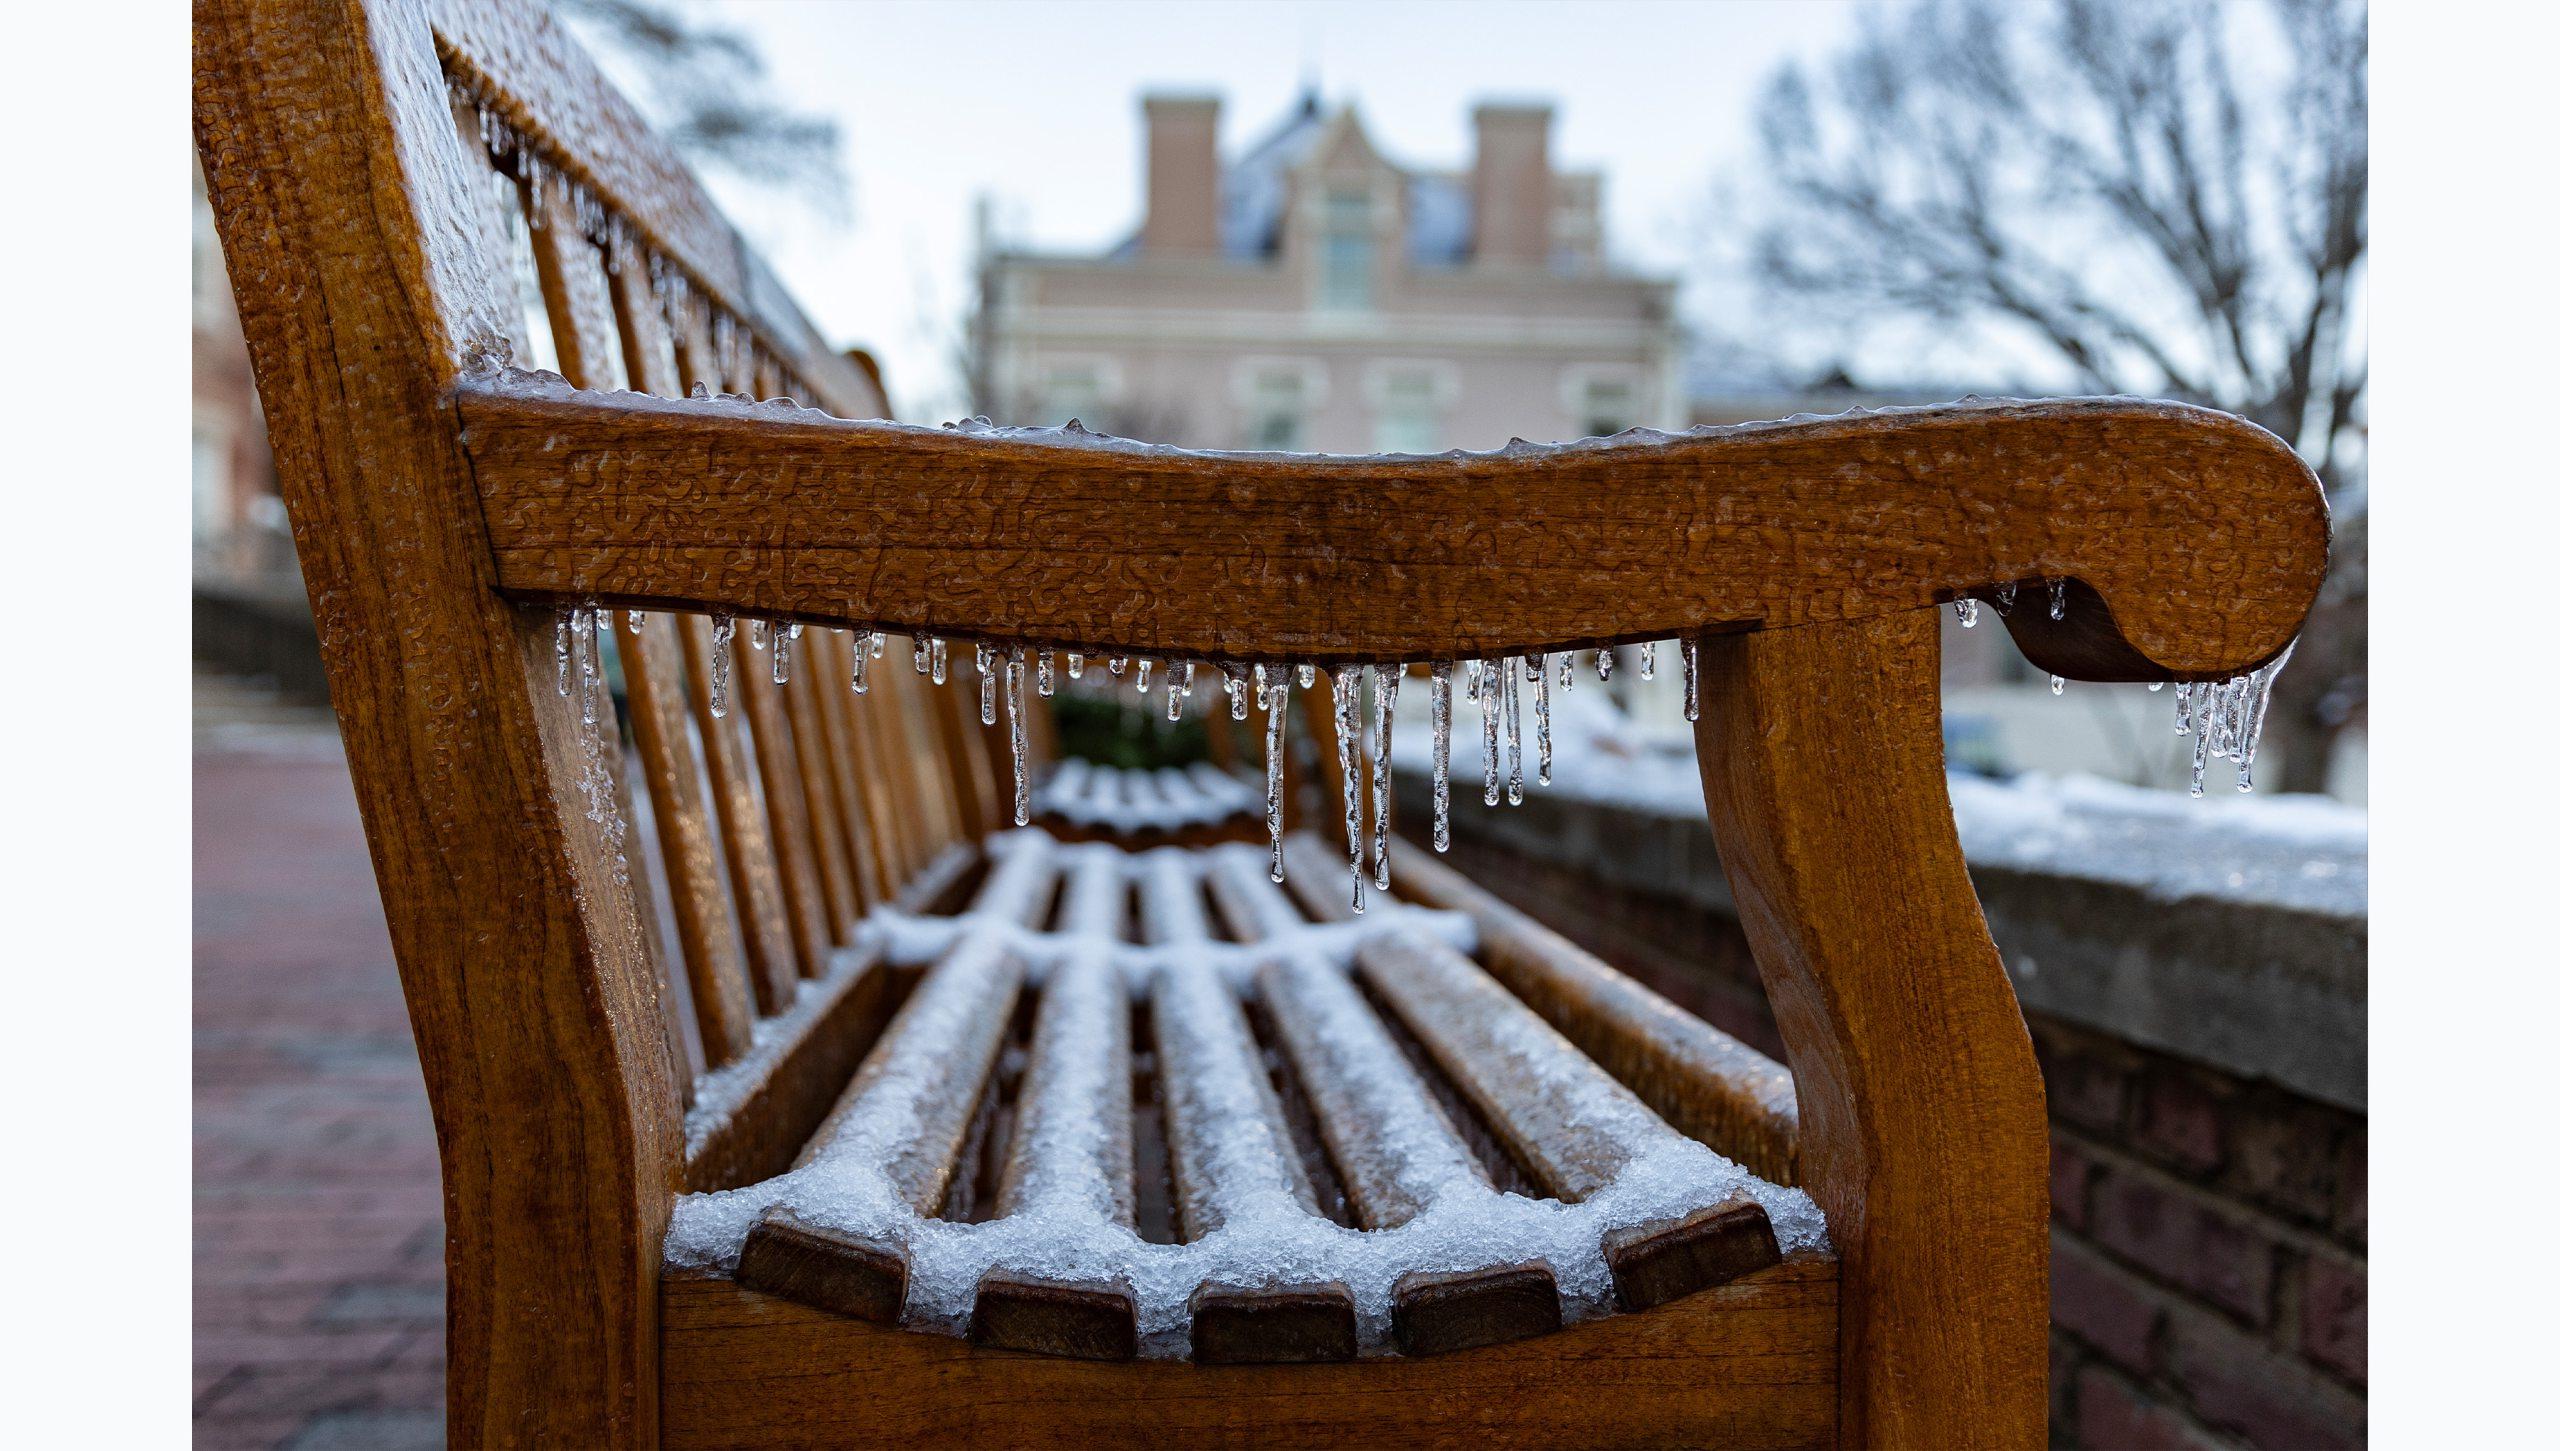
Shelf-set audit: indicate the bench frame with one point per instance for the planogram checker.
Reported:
(431, 533)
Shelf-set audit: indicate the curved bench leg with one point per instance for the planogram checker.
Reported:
(1924, 1133)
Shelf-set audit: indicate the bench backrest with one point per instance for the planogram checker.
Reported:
(364, 157)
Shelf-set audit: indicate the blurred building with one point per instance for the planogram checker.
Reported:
(1310, 293)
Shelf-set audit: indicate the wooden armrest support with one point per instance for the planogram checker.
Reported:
(2193, 541)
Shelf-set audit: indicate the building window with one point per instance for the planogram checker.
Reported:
(1408, 411)
(1276, 404)
(1347, 253)
(1608, 406)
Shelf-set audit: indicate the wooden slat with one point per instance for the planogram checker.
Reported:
(773, 1116)
(1172, 553)
(548, 87)
(831, 698)
(1253, 906)
(1704, 1082)
(1078, 1075)
(758, 841)
(814, 770)
(1201, 1038)
(918, 1090)
(857, 739)
(1572, 1124)
(1750, 1366)
(778, 755)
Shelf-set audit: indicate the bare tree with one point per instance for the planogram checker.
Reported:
(702, 86)
(2147, 196)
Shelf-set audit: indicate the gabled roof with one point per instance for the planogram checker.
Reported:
(1253, 197)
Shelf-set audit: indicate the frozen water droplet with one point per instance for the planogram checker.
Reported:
(940, 653)
(724, 629)
(635, 618)
(2154, 686)
(2004, 598)
(1275, 754)
(1306, 676)
(2057, 685)
(1235, 691)
(756, 633)
(582, 624)
(1048, 673)
(986, 687)
(1968, 612)
(1644, 661)
(2057, 599)
(1144, 665)
(1119, 664)
(1439, 755)
(1075, 666)
(563, 650)
(782, 636)
(1603, 660)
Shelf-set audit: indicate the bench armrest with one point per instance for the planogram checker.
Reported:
(2193, 541)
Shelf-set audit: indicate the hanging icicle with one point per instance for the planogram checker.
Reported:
(724, 630)
(582, 625)
(1385, 684)
(1048, 674)
(986, 687)
(1275, 754)
(1511, 722)
(941, 653)
(1440, 755)
(1689, 676)
(1489, 699)
(860, 673)
(1075, 666)
(783, 635)
(1546, 734)
(1346, 754)
(2056, 610)
(1015, 728)
(1644, 661)
(1968, 611)
(1603, 660)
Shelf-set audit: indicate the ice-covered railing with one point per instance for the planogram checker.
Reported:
(1437, 1229)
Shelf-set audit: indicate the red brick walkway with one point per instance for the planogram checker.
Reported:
(319, 1271)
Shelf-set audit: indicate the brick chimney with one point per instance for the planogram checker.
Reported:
(1513, 185)
(1182, 175)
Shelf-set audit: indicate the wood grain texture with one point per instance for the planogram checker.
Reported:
(1750, 1364)
(357, 249)
(2195, 540)
(1922, 1108)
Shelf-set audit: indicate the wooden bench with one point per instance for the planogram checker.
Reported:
(782, 922)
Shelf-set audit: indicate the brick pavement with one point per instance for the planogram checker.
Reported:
(319, 1271)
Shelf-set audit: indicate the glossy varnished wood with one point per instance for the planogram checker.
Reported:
(2196, 540)
(1923, 1125)
(1749, 1364)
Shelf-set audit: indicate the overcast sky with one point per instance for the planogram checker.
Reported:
(1036, 105)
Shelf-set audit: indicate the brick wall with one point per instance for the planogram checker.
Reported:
(2208, 1230)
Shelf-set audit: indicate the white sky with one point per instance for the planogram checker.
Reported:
(1037, 106)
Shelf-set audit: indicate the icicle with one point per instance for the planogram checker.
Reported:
(1119, 664)
(1261, 686)
(1968, 612)
(986, 687)
(582, 624)
(783, 635)
(1075, 666)
(864, 642)
(2057, 685)
(1275, 756)
(1383, 688)
(724, 629)
(1235, 691)
(924, 654)
(1511, 722)
(756, 633)
(1564, 671)
(635, 618)
(1475, 680)
(1603, 660)
(1546, 732)
(563, 648)
(1439, 755)
(2195, 771)
(1346, 755)
(1177, 686)
(2186, 707)
(2154, 686)
(2004, 598)
(1015, 727)
(1048, 673)
(1489, 697)
(2057, 599)
(1144, 665)
(1644, 661)
(1689, 677)
(2266, 682)
(879, 643)
(1306, 676)
(941, 653)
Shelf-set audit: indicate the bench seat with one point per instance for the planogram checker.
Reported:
(1187, 805)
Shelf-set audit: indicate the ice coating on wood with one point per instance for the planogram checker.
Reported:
(1062, 1213)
